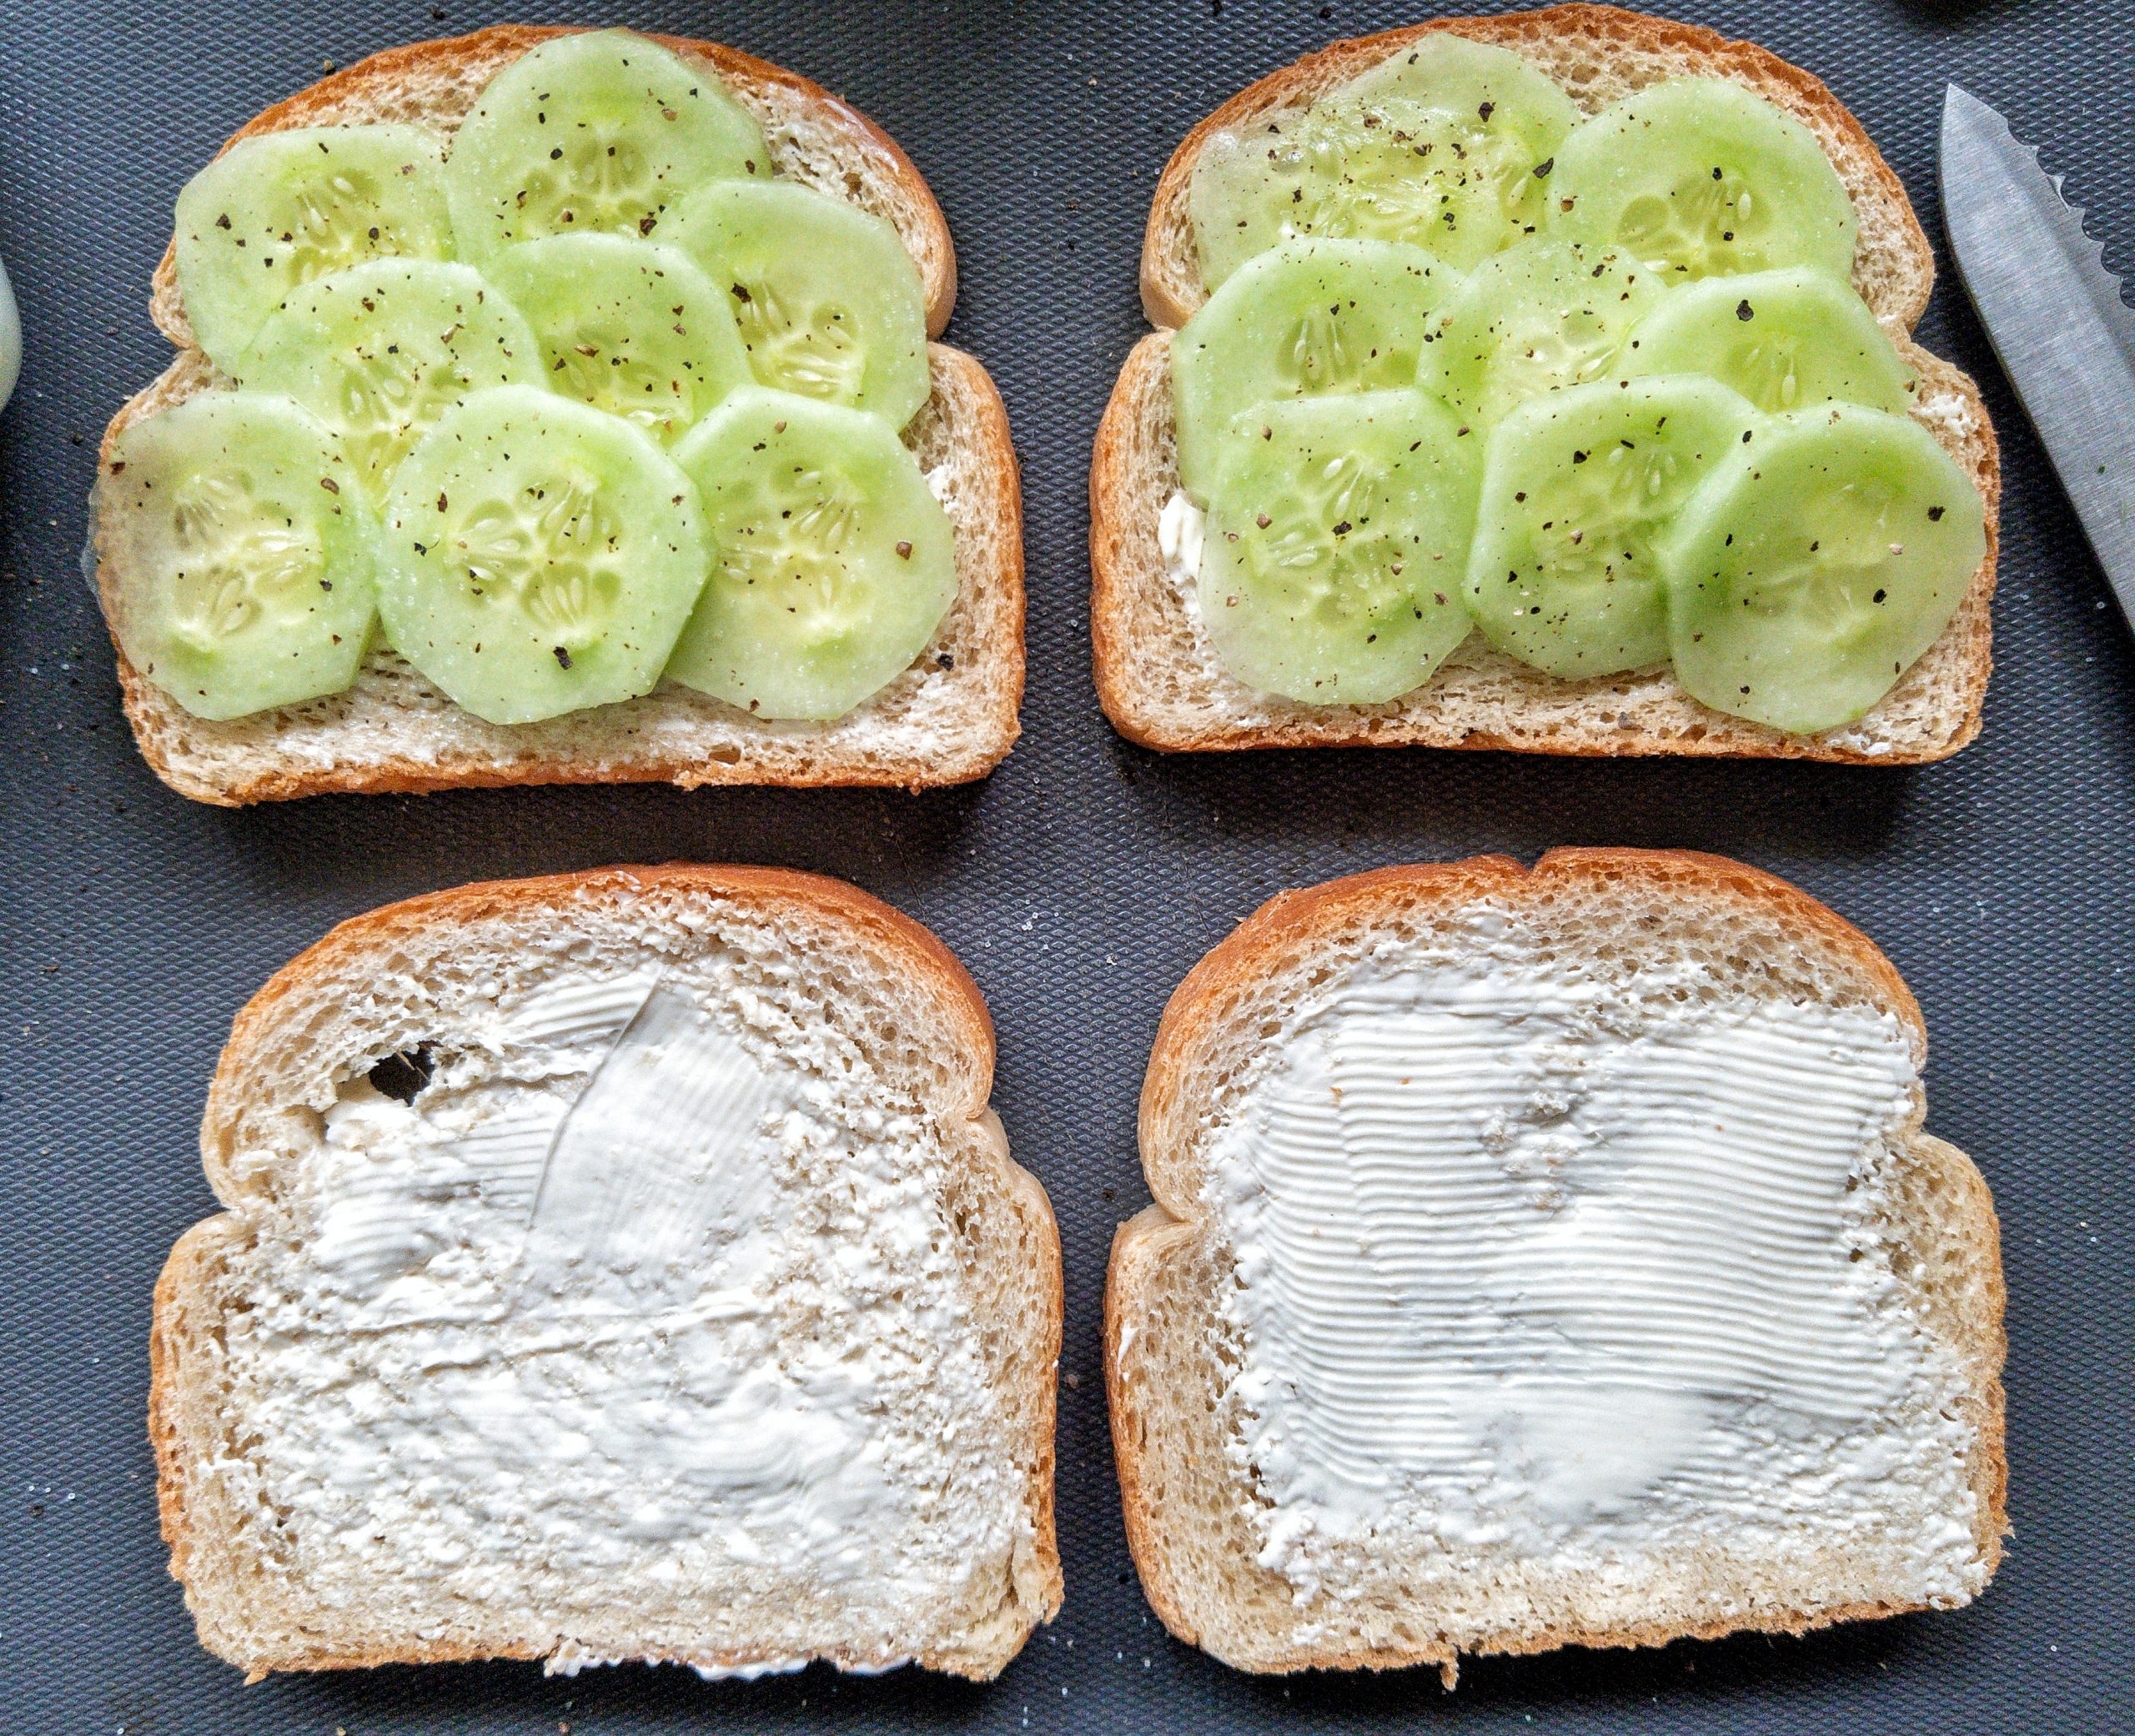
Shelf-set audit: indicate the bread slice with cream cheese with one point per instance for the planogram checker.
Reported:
(1157, 678)
(618, 1265)
(1549, 1257)
(951, 717)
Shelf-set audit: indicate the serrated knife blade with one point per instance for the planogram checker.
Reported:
(2055, 316)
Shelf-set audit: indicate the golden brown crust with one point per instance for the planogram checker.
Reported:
(993, 594)
(1141, 1247)
(488, 51)
(1294, 925)
(1169, 302)
(875, 925)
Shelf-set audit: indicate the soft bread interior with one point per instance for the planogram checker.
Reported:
(418, 1396)
(1199, 1516)
(1159, 680)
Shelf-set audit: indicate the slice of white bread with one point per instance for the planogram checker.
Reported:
(1156, 677)
(949, 719)
(456, 1375)
(1902, 1508)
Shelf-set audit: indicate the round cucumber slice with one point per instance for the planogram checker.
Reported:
(1331, 566)
(831, 561)
(278, 209)
(829, 304)
(1541, 316)
(1307, 318)
(1701, 177)
(242, 554)
(381, 351)
(540, 556)
(1460, 183)
(1785, 340)
(1564, 574)
(627, 327)
(1808, 570)
(604, 130)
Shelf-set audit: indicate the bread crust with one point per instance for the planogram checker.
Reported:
(987, 616)
(436, 83)
(184, 1326)
(1292, 926)
(1483, 698)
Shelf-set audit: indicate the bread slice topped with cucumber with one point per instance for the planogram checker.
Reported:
(1547, 1257)
(621, 1265)
(1541, 382)
(560, 406)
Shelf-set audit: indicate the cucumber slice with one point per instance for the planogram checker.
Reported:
(1307, 318)
(829, 303)
(831, 561)
(540, 556)
(604, 130)
(1450, 72)
(1701, 177)
(242, 555)
(1564, 574)
(1331, 567)
(1459, 182)
(1541, 316)
(1808, 570)
(1785, 340)
(278, 209)
(627, 327)
(381, 351)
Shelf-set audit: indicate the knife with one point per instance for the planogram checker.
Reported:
(2054, 314)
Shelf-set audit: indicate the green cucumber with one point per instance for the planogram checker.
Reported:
(278, 209)
(1378, 164)
(381, 351)
(1564, 574)
(625, 326)
(1786, 339)
(1702, 178)
(242, 553)
(539, 556)
(1540, 317)
(600, 131)
(1807, 572)
(831, 562)
(1331, 563)
(1460, 77)
(1305, 318)
(829, 304)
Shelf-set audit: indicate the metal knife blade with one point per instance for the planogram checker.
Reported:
(2055, 316)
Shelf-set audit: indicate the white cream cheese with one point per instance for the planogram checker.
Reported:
(1527, 1266)
(647, 1303)
(1180, 527)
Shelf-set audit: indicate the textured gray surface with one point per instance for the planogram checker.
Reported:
(1079, 884)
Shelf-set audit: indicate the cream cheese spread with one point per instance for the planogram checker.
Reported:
(1180, 527)
(1532, 1265)
(629, 1303)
